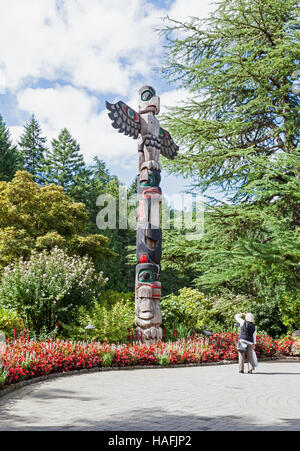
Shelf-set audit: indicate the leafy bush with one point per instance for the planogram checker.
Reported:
(107, 358)
(183, 308)
(268, 317)
(9, 321)
(111, 297)
(195, 311)
(224, 306)
(35, 217)
(48, 288)
(191, 310)
(289, 306)
(111, 324)
(176, 332)
(163, 359)
(3, 375)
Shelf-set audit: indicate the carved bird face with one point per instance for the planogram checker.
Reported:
(149, 102)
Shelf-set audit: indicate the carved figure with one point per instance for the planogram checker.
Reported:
(152, 141)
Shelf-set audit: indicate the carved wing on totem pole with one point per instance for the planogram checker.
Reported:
(124, 119)
(129, 122)
(168, 148)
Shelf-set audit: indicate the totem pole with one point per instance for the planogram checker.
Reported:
(152, 141)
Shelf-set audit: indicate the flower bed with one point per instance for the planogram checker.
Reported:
(24, 359)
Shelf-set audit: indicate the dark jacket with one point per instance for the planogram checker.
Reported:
(247, 331)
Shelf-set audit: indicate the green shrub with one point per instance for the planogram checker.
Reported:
(163, 359)
(9, 320)
(110, 324)
(111, 297)
(191, 311)
(224, 306)
(3, 375)
(178, 331)
(289, 307)
(183, 308)
(49, 288)
(107, 358)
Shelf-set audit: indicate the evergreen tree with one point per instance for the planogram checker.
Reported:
(99, 179)
(64, 165)
(121, 271)
(243, 113)
(32, 148)
(9, 158)
(239, 130)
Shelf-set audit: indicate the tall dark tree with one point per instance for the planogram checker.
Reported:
(65, 166)
(242, 112)
(9, 157)
(240, 131)
(99, 179)
(32, 148)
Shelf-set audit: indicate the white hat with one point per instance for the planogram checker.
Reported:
(249, 317)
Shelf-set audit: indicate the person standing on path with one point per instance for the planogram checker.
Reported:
(248, 338)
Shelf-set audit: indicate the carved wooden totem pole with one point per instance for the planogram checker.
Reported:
(152, 141)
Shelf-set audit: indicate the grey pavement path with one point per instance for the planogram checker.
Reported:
(173, 399)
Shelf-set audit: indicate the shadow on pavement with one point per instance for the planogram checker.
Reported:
(143, 420)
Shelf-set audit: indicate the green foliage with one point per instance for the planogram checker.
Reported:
(49, 288)
(239, 131)
(42, 217)
(178, 331)
(178, 260)
(99, 179)
(32, 148)
(14, 244)
(9, 156)
(3, 375)
(111, 297)
(290, 310)
(237, 65)
(121, 270)
(192, 311)
(182, 308)
(64, 164)
(107, 358)
(163, 359)
(222, 307)
(9, 320)
(111, 323)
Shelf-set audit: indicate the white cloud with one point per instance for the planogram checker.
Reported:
(101, 45)
(60, 107)
(95, 47)
(181, 9)
(86, 119)
(97, 44)
(172, 98)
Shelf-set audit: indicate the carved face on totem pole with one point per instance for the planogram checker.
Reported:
(149, 102)
(147, 304)
(153, 141)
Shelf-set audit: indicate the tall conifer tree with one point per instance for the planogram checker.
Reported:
(239, 130)
(64, 164)
(9, 157)
(32, 148)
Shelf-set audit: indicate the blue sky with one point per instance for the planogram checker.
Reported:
(63, 58)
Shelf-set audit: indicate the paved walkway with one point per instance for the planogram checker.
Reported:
(174, 399)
